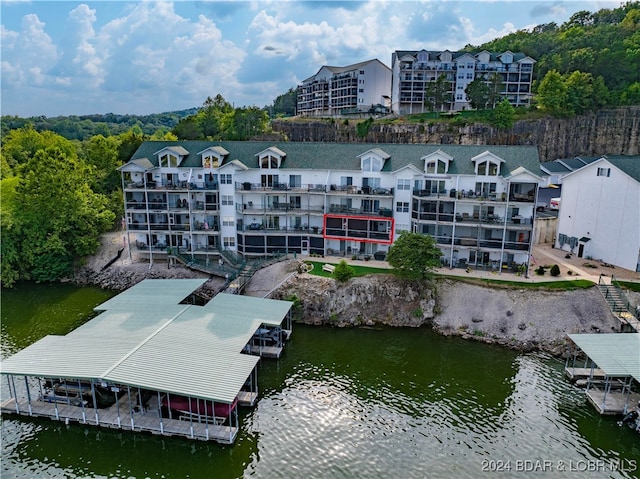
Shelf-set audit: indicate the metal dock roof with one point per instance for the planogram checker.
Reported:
(145, 338)
(617, 354)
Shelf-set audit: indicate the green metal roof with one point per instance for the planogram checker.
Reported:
(345, 156)
(145, 338)
(616, 354)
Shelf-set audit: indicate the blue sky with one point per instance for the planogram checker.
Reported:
(141, 57)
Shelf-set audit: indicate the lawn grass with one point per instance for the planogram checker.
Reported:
(496, 283)
(499, 283)
(358, 270)
(630, 285)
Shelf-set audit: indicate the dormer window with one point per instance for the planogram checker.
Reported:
(169, 160)
(437, 163)
(271, 158)
(210, 161)
(488, 168)
(371, 164)
(487, 164)
(213, 156)
(171, 156)
(373, 160)
(436, 167)
(269, 161)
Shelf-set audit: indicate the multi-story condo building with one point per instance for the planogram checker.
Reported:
(257, 198)
(413, 70)
(342, 90)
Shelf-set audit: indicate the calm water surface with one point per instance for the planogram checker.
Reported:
(339, 404)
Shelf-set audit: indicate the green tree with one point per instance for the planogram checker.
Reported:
(496, 86)
(552, 94)
(343, 272)
(56, 217)
(102, 154)
(437, 93)
(285, 104)
(478, 93)
(580, 97)
(504, 115)
(631, 96)
(414, 256)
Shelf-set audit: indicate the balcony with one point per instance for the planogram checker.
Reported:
(360, 190)
(344, 210)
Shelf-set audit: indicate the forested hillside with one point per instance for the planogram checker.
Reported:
(594, 51)
(85, 126)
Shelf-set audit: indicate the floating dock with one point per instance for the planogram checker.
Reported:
(153, 361)
(611, 372)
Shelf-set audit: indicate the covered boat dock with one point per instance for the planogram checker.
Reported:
(152, 361)
(611, 370)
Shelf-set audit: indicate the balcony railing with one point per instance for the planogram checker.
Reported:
(170, 185)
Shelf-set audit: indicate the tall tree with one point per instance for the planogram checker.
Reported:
(552, 94)
(478, 93)
(57, 217)
(438, 93)
(580, 95)
(504, 115)
(414, 256)
(496, 87)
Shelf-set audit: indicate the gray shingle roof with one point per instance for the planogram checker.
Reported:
(344, 156)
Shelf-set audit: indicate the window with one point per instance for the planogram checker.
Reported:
(295, 181)
(487, 168)
(227, 199)
(269, 181)
(469, 76)
(227, 221)
(169, 160)
(604, 172)
(458, 96)
(269, 161)
(226, 179)
(485, 189)
(436, 167)
(229, 242)
(360, 90)
(346, 180)
(404, 184)
(402, 207)
(361, 72)
(371, 182)
(371, 164)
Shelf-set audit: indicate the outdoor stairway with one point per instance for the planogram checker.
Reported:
(619, 304)
(613, 297)
(235, 269)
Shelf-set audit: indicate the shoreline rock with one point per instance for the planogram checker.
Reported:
(520, 319)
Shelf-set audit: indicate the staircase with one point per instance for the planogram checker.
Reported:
(237, 270)
(617, 301)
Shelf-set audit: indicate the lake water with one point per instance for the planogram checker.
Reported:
(340, 403)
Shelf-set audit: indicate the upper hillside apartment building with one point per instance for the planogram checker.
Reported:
(257, 198)
(413, 70)
(341, 90)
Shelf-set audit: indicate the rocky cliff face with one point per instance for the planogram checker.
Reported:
(377, 299)
(612, 132)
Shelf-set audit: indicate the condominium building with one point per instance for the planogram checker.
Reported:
(258, 198)
(344, 90)
(412, 71)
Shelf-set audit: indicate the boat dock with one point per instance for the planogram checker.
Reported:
(152, 361)
(611, 372)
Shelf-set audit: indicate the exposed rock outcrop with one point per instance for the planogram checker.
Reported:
(376, 299)
(613, 131)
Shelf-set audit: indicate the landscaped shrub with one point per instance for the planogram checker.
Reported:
(540, 271)
(343, 272)
(555, 270)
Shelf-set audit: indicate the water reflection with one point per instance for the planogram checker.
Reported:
(349, 403)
